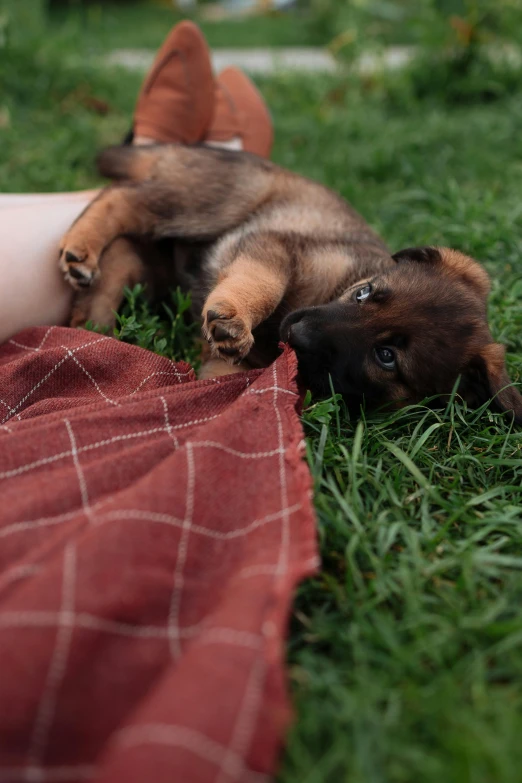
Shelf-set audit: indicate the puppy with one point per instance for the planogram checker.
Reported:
(269, 254)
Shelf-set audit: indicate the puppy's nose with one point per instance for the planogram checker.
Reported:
(299, 336)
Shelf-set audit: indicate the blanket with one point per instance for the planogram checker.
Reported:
(152, 531)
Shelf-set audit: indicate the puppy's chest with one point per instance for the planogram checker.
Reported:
(320, 272)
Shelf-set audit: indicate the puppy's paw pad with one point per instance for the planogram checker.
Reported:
(222, 314)
(79, 266)
(220, 333)
(72, 258)
(82, 277)
(227, 333)
(78, 263)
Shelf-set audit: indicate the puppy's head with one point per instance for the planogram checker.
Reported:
(406, 334)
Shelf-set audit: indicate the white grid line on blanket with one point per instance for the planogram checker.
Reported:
(174, 736)
(179, 375)
(11, 410)
(264, 569)
(70, 352)
(168, 425)
(110, 400)
(79, 472)
(51, 372)
(234, 452)
(38, 347)
(24, 620)
(233, 762)
(174, 370)
(89, 376)
(18, 573)
(98, 445)
(70, 355)
(269, 569)
(26, 571)
(285, 528)
(175, 601)
(132, 435)
(19, 527)
(64, 774)
(58, 663)
(275, 388)
(168, 519)
(21, 345)
(32, 524)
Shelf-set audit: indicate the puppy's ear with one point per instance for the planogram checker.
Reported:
(423, 255)
(486, 377)
(451, 263)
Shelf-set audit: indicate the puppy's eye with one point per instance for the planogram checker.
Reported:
(363, 293)
(385, 357)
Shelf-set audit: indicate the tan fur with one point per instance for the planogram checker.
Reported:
(99, 304)
(506, 395)
(465, 268)
(494, 355)
(217, 368)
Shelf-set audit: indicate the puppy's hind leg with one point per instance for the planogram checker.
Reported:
(120, 266)
(115, 212)
(166, 191)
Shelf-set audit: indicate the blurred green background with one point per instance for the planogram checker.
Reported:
(54, 63)
(345, 25)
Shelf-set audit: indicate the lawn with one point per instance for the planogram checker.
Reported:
(105, 26)
(405, 653)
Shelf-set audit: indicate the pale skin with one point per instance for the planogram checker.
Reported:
(33, 292)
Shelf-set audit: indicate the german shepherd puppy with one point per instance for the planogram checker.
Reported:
(269, 255)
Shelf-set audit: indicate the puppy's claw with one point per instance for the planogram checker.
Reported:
(70, 258)
(228, 351)
(78, 265)
(213, 315)
(83, 277)
(220, 333)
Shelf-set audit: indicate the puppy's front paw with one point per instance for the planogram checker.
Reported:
(228, 334)
(78, 263)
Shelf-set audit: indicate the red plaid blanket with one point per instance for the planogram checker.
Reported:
(152, 530)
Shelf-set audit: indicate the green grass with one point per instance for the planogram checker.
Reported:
(405, 652)
(163, 327)
(106, 26)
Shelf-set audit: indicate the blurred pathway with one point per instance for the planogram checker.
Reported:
(270, 60)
